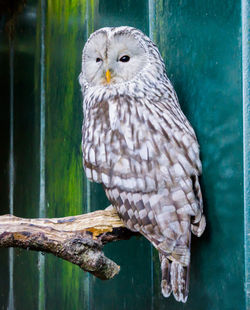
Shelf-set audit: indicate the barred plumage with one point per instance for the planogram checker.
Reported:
(138, 143)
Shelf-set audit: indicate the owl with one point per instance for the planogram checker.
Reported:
(137, 142)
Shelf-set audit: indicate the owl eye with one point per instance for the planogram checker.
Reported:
(124, 58)
(98, 59)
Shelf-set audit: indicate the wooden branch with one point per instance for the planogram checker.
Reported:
(77, 239)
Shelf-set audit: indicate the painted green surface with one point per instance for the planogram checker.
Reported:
(201, 45)
(200, 41)
(246, 138)
(64, 36)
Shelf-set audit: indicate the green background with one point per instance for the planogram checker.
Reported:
(200, 41)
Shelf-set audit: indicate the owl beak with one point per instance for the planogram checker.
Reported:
(108, 76)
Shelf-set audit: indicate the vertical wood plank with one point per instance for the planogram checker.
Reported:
(245, 13)
(5, 61)
(64, 36)
(200, 42)
(42, 149)
(25, 146)
(11, 304)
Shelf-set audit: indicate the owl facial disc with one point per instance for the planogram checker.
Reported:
(113, 56)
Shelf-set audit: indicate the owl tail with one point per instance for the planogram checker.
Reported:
(175, 279)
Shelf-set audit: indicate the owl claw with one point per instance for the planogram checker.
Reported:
(110, 208)
(166, 288)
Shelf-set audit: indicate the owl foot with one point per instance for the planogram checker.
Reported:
(175, 279)
(110, 208)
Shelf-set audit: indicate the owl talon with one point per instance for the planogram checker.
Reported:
(166, 288)
(110, 208)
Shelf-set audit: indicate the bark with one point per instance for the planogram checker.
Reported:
(77, 239)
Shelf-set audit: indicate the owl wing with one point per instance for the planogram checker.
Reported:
(154, 180)
(182, 149)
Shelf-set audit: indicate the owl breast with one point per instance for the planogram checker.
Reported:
(132, 145)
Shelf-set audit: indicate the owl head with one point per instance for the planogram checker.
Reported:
(119, 56)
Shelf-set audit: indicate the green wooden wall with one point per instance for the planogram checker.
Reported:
(41, 117)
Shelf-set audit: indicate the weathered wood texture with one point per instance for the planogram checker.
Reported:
(77, 239)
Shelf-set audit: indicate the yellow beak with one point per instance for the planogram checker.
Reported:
(108, 76)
